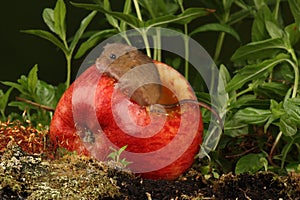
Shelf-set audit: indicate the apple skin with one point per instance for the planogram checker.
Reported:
(93, 116)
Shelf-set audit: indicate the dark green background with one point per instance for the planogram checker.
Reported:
(20, 52)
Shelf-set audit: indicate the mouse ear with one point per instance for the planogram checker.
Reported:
(128, 48)
(119, 47)
(108, 45)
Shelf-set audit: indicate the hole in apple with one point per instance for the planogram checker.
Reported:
(86, 134)
(167, 96)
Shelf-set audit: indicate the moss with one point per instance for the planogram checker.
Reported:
(70, 177)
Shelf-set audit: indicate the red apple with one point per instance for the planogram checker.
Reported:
(93, 116)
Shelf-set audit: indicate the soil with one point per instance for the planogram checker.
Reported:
(36, 175)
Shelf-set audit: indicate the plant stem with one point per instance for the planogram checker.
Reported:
(276, 9)
(239, 94)
(186, 46)
(273, 147)
(68, 58)
(155, 52)
(122, 28)
(145, 38)
(296, 71)
(221, 35)
(219, 46)
(137, 9)
(143, 31)
(158, 34)
(157, 45)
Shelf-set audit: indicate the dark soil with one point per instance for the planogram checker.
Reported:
(262, 185)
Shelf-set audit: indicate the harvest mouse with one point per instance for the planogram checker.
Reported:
(140, 80)
(120, 60)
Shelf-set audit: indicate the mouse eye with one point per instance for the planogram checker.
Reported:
(113, 56)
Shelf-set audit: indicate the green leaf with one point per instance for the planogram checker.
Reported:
(293, 167)
(293, 33)
(259, 31)
(17, 86)
(83, 25)
(111, 20)
(277, 112)
(20, 105)
(234, 128)
(259, 50)
(48, 36)
(126, 10)
(249, 100)
(224, 78)
(192, 13)
(217, 27)
(59, 19)
(32, 80)
(287, 126)
(129, 19)
(292, 109)
(93, 41)
(132, 21)
(160, 21)
(295, 8)
(252, 115)
(120, 151)
(287, 148)
(45, 94)
(238, 16)
(273, 30)
(259, 4)
(4, 100)
(252, 72)
(276, 109)
(48, 16)
(250, 163)
(158, 8)
(184, 18)
(227, 5)
(271, 90)
(224, 74)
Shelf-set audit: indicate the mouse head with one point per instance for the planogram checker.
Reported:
(111, 53)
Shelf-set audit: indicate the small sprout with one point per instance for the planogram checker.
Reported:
(116, 154)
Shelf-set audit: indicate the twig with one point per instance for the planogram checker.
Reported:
(241, 154)
(270, 157)
(148, 196)
(36, 104)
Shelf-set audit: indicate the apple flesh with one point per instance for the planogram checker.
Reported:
(93, 115)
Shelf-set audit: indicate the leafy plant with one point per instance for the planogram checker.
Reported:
(269, 59)
(35, 95)
(3, 102)
(56, 22)
(226, 19)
